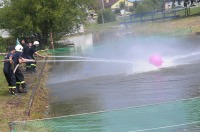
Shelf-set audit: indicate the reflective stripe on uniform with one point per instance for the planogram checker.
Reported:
(20, 82)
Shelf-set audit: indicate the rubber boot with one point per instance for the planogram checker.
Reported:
(24, 90)
(31, 69)
(27, 68)
(13, 91)
(18, 88)
(34, 67)
(10, 91)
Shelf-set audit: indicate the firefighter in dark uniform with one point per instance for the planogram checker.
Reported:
(8, 71)
(17, 58)
(25, 48)
(30, 52)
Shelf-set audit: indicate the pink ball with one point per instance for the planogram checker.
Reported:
(156, 60)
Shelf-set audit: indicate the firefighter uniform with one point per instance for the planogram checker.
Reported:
(30, 55)
(18, 73)
(8, 72)
(24, 55)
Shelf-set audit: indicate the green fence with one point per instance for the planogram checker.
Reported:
(177, 116)
(60, 51)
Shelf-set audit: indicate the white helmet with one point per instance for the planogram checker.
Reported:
(19, 48)
(36, 43)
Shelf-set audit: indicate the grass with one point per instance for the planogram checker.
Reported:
(12, 108)
(2, 79)
(3, 98)
(195, 11)
(94, 27)
(168, 26)
(176, 27)
(153, 27)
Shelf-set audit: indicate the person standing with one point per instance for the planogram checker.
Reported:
(192, 3)
(30, 52)
(8, 71)
(24, 55)
(24, 44)
(18, 59)
(36, 44)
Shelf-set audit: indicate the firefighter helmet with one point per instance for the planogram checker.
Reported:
(36, 43)
(19, 48)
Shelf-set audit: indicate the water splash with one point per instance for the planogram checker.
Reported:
(123, 56)
(75, 57)
(182, 59)
(92, 60)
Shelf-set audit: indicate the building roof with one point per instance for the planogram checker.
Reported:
(110, 3)
(133, 0)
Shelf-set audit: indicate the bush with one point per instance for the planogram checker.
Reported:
(117, 11)
(148, 5)
(131, 9)
(6, 42)
(108, 16)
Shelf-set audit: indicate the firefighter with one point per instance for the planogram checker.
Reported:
(36, 44)
(30, 52)
(17, 59)
(8, 71)
(24, 55)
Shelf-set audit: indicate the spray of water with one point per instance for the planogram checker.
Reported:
(126, 55)
(75, 57)
(96, 60)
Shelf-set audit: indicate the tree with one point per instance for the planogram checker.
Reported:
(95, 5)
(108, 15)
(40, 17)
(149, 5)
(173, 3)
(122, 5)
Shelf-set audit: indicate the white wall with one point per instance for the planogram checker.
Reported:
(82, 40)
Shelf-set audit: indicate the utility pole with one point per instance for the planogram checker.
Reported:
(103, 9)
(126, 5)
(163, 6)
(103, 4)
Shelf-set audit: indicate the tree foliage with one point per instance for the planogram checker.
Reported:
(149, 5)
(96, 5)
(122, 5)
(108, 16)
(29, 17)
(6, 42)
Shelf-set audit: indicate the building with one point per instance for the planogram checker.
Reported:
(115, 4)
(177, 4)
